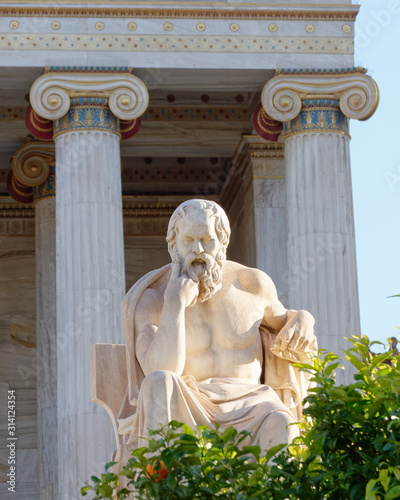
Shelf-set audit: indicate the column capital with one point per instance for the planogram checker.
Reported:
(48, 188)
(51, 93)
(32, 172)
(357, 94)
(31, 162)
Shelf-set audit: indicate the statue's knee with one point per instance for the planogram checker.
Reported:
(158, 381)
(283, 423)
(280, 420)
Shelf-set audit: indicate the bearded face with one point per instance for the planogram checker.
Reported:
(199, 251)
(205, 270)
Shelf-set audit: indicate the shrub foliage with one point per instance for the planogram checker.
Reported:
(349, 448)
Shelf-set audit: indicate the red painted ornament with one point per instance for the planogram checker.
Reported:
(129, 128)
(39, 127)
(17, 191)
(266, 127)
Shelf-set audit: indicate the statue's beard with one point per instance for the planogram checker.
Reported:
(206, 271)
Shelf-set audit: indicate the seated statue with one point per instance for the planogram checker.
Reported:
(208, 341)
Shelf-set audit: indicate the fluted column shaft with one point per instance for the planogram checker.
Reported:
(315, 106)
(322, 267)
(46, 341)
(33, 176)
(90, 282)
(86, 106)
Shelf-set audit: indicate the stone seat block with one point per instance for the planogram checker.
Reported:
(109, 379)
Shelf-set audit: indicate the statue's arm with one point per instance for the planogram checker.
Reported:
(167, 349)
(295, 329)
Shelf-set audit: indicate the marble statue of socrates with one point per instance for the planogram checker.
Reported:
(209, 342)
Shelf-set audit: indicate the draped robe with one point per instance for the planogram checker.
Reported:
(225, 401)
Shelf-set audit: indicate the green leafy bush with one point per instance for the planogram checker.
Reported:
(349, 448)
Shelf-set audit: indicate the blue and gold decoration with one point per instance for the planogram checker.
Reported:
(47, 189)
(88, 69)
(87, 113)
(318, 115)
(320, 71)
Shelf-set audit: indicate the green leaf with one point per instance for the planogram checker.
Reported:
(127, 473)
(384, 479)
(274, 450)
(105, 490)
(175, 424)
(122, 494)
(369, 493)
(338, 393)
(375, 406)
(393, 493)
(171, 482)
(379, 358)
(254, 450)
(229, 433)
(396, 472)
(331, 368)
(355, 361)
(187, 438)
(109, 464)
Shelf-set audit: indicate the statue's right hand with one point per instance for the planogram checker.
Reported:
(181, 287)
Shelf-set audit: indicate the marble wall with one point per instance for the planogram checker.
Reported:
(18, 360)
(142, 254)
(271, 234)
(241, 247)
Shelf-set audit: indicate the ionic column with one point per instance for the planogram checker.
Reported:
(260, 167)
(33, 167)
(315, 107)
(86, 108)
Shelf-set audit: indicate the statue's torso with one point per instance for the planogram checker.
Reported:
(222, 334)
(222, 337)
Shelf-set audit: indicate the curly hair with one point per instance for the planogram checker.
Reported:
(222, 226)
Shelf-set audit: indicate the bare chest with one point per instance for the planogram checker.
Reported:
(228, 321)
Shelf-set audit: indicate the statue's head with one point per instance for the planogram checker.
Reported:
(198, 236)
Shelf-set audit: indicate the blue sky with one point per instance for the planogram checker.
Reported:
(375, 157)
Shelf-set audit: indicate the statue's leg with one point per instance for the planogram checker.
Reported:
(278, 427)
(164, 397)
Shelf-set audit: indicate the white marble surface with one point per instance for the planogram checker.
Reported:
(142, 254)
(193, 329)
(259, 230)
(321, 243)
(90, 287)
(253, 36)
(46, 345)
(203, 60)
(270, 230)
(18, 359)
(241, 247)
